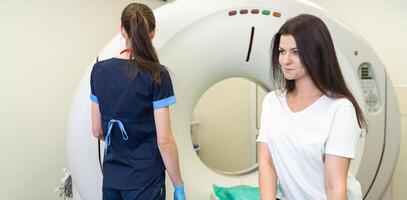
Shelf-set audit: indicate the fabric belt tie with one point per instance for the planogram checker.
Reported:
(109, 131)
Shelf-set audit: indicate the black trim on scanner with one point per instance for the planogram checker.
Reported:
(250, 45)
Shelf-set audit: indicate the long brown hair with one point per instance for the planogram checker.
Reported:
(138, 21)
(317, 55)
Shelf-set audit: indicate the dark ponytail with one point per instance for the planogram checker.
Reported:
(139, 22)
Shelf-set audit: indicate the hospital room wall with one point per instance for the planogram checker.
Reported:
(47, 45)
(223, 129)
(226, 123)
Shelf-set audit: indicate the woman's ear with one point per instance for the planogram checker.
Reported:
(123, 32)
(152, 34)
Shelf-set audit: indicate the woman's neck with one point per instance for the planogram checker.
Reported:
(305, 88)
(126, 53)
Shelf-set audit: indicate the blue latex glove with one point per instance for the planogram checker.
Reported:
(179, 192)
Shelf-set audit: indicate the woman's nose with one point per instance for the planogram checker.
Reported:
(286, 59)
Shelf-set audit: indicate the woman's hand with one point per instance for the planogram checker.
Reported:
(179, 192)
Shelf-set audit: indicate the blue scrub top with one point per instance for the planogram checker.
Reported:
(132, 159)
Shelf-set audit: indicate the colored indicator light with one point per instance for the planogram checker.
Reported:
(233, 12)
(265, 12)
(244, 11)
(255, 11)
(276, 14)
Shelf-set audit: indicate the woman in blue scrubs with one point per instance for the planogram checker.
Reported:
(130, 97)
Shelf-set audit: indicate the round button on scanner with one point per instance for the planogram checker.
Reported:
(276, 14)
(255, 11)
(233, 12)
(244, 11)
(265, 12)
(371, 100)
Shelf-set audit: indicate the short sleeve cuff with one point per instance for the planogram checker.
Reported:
(344, 153)
(94, 98)
(164, 102)
(261, 138)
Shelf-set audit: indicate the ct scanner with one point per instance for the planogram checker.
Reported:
(204, 42)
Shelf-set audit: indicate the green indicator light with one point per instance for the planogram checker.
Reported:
(265, 12)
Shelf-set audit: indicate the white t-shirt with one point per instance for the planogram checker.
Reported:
(298, 141)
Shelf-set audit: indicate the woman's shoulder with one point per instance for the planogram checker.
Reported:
(273, 96)
(112, 61)
(163, 68)
(339, 103)
(108, 62)
(278, 93)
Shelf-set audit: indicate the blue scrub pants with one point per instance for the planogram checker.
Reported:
(151, 193)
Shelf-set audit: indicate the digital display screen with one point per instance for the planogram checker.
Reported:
(365, 73)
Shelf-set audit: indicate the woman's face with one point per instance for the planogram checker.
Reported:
(289, 59)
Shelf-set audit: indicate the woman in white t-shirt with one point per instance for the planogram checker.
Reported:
(310, 127)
